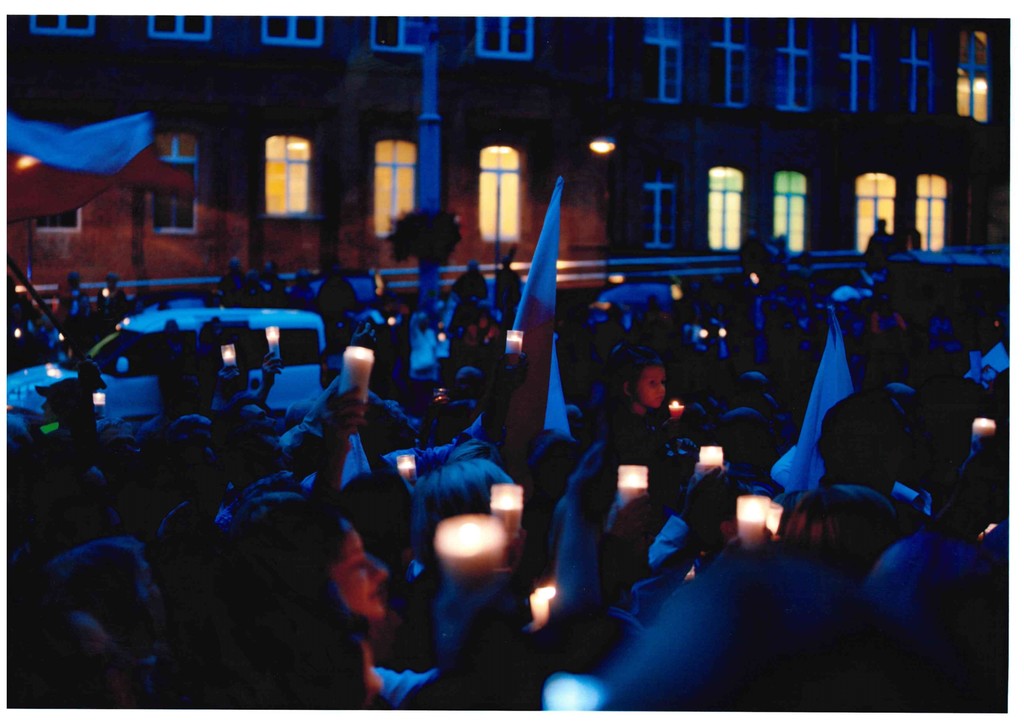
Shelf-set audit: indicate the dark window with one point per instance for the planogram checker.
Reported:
(164, 23)
(305, 28)
(386, 31)
(277, 27)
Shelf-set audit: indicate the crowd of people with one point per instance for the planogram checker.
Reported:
(222, 555)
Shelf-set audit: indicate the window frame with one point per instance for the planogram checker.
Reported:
(663, 41)
(179, 32)
(730, 49)
(62, 28)
(726, 193)
(291, 40)
(931, 201)
(175, 159)
(393, 166)
(913, 64)
(288, 165)
(657, 188)
(875, 201)
(59, 229)
(500, 173)
(971, 68)
(503, 53)
(787, 56)
(403, 46)
(855, 58)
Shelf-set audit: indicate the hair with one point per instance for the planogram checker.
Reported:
(845, 526)
(625, 364)
(455, 488)
(474, 449)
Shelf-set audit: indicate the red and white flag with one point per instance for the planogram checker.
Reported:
(52, 169)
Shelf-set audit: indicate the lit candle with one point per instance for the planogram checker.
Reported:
(227, 353)
(722, 332)
(675, 409)
(540, 605)
(17, 332)
(392, 321)
(99, 402)
(440, 393)
(355, 371)
(274, 340)
(106, 292)
(982, 427)
(703, 333)
(52, 370)
(991, 527)
(632, 482)
(751, 515)
(513, 342)
(441, 336)
(507, 506)
(470, 547)
(407, 467)
(773, 518)
(710, 457)
(754, 279)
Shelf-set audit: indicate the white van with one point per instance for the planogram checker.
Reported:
(129, 359)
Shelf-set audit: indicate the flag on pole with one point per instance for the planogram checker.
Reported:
(52, 169)
(539, 404)
(801, 467)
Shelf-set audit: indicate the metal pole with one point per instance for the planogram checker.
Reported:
(428, 186)
(28, 249)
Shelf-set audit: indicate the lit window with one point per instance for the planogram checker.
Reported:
(506, 38)
(972, 97)
(66, 221)
(398, 34)
(499, 194)
(663, 60)
(306, 31)
(394, 183)
(287, 175)
(932, 192)
(729, 62)
(80, 25)
(793, 65)
(790, 212)
(171, 212)
(916, 62)
(180, 27)
(725, 208)
(876, 201)
(659, 211)
(856, 62)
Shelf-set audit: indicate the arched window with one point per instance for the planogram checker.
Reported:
(287, 174)
(790, 204)
(394, 183)
(932, 192)
(499, 194)
(876, 199)
(725, 208)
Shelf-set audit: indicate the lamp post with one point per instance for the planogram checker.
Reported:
(428, 166)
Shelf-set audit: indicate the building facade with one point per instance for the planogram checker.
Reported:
(301, 133)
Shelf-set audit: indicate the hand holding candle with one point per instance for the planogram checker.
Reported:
(982, 427)
(470, 547)
(711, 456)
(356, 370)
(514, 342)
(540, 606)
(507, 506)
(675, 409)
(407, 468)
(99, 403)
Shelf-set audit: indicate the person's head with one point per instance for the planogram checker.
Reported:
(379, 505)
(880, 225)
(112, 280)
(845, 526)
(235, 266)
(388, 428)
(473, 265)
(74, 279)
(468, 384)
(455, 488)
(474, 449)
(552, 457)
(637, 377)
(748, 437)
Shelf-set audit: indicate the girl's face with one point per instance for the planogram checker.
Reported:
(361, 580)
(649, 390)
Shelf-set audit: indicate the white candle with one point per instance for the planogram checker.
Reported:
(17, 332)
(540, 605)
(773, 518)
(983, 427)
(507, 506)
(274, 340)
(513, 342)
(470, 547)
(632, 482)
(355, 372)
(407, 467)
(675, 409)
(392, 321)
(106, 292)
(227, 353)
(751, 514)
(52, 370)
(754, 279)
(99, 402)
(711, 456)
